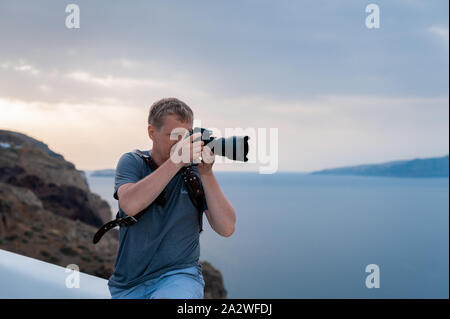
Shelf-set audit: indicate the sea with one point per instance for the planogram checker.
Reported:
(301, 235)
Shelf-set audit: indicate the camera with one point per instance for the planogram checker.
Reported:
(233, 147)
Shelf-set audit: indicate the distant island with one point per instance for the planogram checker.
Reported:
(427, 167)
(102, 173)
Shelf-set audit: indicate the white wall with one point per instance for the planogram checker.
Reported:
(25, 277)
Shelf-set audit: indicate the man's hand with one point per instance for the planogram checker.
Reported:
(205, 167)
(186, 150)
(220, 213)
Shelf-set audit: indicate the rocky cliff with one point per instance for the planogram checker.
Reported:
(48, 212)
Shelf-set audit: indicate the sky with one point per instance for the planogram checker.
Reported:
(337, 92)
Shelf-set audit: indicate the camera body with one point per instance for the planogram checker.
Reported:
(234, 147)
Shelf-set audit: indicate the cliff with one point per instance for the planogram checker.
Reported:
(47, 212)
(28, 163)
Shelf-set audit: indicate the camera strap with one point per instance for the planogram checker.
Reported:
(193, 187)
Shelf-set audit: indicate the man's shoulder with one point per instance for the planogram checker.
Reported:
(130, 160)
(130, 169)
(134, 155)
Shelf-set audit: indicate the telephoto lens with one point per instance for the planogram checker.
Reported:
(233, 147)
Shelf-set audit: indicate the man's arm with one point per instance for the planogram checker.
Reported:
(134, 197)
(220, 213)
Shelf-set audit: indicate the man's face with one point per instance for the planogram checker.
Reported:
(168, 135)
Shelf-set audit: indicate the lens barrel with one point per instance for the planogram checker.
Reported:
(234, 147)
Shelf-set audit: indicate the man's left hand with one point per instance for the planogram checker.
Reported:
(205, 167)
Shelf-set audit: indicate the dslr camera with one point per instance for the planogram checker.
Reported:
(233, 147)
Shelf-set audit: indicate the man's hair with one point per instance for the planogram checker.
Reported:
(169, 106)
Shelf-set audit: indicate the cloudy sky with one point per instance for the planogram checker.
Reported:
(338, 92)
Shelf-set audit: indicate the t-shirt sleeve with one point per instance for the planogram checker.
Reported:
(128, 170)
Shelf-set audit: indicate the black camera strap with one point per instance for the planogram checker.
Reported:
(193, 187)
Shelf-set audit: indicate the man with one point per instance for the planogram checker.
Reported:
(158, 257)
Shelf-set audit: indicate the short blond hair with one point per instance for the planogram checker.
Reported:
(169, 106)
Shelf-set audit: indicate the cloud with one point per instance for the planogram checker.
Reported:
(27, 68)
(134, 83)
(292, 49)
(441, 33)
(115, 82)
(127, 63)
(20, 66)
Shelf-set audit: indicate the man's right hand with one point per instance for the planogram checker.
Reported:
(187, 150)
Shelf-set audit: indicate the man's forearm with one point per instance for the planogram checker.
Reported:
(140, 195)
(221, 215)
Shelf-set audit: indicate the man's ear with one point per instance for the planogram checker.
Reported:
(151, 131)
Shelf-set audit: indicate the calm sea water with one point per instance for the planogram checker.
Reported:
(312, 236)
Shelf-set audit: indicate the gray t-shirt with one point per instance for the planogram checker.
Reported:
(164, 238)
